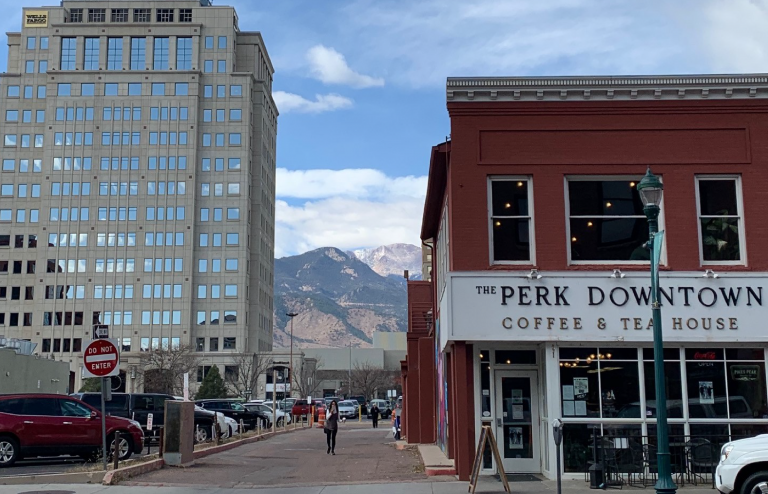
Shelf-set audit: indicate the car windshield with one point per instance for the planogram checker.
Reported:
(237, 406)
(348, 404)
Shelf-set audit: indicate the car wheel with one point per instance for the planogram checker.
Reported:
(9, 451)
(202, 434)
(124, 447)
(757, 483)
(281, 421)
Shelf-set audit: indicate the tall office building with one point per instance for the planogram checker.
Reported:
(138, 181)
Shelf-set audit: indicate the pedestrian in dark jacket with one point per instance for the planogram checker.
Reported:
(375, 416)
(331, 427)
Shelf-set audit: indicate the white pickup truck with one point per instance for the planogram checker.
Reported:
(743, 467)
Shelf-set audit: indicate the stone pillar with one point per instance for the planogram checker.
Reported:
(179, 433)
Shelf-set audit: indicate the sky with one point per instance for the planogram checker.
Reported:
(360, 86)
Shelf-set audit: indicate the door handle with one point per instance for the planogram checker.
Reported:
(28, 422)
(498, 422)
(67, 423)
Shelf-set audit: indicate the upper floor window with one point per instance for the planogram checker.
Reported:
(97, 15)
(185, 15)
(119, 15)
(721, 225)
(75, 15)
(68, 53)
(606, 220)
(183, 53)
(161, 54)
(138, 53)
(115, 54)
(164, 15)
(91, 54)
(511, 226)
(142, 15)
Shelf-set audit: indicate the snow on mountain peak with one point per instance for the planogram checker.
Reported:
(392, 259)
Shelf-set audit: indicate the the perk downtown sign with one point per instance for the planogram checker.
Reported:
(594, 308)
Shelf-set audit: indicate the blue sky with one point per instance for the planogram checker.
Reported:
(360, 86)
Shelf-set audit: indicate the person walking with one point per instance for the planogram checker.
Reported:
(375, 415)
(331, 427)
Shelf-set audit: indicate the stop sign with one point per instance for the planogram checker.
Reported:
(101, 359)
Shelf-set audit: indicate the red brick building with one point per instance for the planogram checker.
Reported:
(538, 306)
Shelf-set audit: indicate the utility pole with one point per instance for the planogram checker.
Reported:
(350, 370)
(290, 359)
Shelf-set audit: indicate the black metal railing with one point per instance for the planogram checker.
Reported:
(620, 459)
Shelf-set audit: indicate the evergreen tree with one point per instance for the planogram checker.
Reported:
(212, 386)
(91, 385)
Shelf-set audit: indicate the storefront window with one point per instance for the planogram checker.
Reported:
(580, 389)
(746, 390)
(577, 447)
(620, 389)
(705, 371)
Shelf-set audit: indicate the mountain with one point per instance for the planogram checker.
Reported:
(393, 259)
(338, 298)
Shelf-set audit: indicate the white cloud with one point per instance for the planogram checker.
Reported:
(289, 102)
(348, 209)
(346, 223)
(330, 67)
(354, 183)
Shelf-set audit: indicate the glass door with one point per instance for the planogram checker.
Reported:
(517, 421)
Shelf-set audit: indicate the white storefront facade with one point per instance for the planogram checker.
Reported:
(578, 346)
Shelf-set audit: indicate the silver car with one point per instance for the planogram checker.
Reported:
(349, 409)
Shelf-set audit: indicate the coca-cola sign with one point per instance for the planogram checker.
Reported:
(704, 356)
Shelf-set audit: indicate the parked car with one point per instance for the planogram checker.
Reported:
(231, 426)
(282, 417)
(54, 425)
(138, 406)
(301, 408)
(235, 410)
(349, 409)
(743, 466)
(385, 409)
(360, 399)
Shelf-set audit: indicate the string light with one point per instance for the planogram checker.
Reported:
(507, 205)
(608, 204)
(573, 239)
(589, 223)
(519, 184)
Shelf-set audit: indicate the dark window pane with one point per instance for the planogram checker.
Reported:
(747, 390)
(618, 353)
(511, 240)
(720, 239)
(577, 439)
(515, 356)
(579, 381)
(620, 383)
(744, 354)
(674, 389)
(706, 390)
(40, 406)
(717, 197)
(572, 353)
(509, 197)
(604, 198)
(594, 239)
(669, 354)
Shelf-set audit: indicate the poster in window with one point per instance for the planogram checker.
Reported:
(568, 410)
(517, 412)
(567, 392)
(706, 392)
(580, 387)
(517, 396)
(581, 409)
(515, 438)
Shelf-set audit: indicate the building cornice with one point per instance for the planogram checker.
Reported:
(607, 88)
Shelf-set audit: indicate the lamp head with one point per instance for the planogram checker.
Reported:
(650, 189)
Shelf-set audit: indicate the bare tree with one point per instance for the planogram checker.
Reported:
(162, 370)
(367, 379)
(306, 379)
(249, 367)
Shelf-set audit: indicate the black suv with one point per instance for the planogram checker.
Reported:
(234, 409)
(138, 406)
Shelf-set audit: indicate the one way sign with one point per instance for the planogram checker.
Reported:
(100, 331)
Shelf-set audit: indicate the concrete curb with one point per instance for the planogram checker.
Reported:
(436, 471)
(115, 476)
(55, 478)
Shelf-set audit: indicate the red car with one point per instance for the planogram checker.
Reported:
(300, 408)
(319, 405)
(54, 425)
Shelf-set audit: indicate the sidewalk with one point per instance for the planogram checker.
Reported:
(446, 487)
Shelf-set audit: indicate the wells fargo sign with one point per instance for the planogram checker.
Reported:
(36, 18)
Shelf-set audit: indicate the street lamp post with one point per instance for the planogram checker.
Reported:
(650, 189)
(290, 361)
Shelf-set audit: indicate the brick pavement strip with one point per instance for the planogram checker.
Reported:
(362, 455)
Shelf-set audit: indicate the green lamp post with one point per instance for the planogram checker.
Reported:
(651, 189)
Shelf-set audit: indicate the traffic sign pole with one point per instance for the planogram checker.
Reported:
(105, 381)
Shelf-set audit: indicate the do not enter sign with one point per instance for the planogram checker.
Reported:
(101, 359)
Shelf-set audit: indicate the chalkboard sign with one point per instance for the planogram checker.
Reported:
(486, 437)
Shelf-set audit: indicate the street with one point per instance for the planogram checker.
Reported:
(363, 454)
